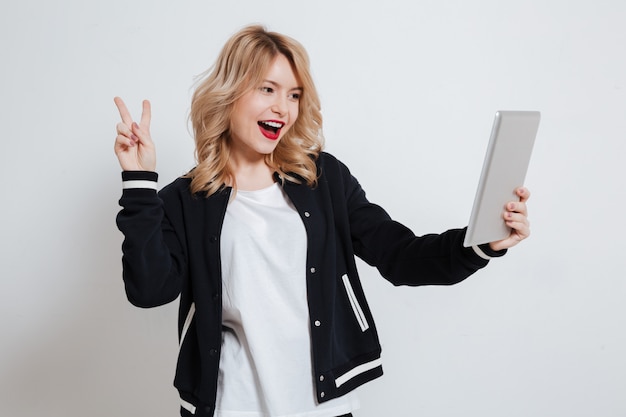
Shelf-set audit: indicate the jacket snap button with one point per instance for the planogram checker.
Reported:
(321, 378)
(318, 323)
(307, 214)
(312, 270)
(322, 394)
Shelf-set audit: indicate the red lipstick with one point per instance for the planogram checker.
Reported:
(271, 128)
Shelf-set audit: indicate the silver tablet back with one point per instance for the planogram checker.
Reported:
(504, 169)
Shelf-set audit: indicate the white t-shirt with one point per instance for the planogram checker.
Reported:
(266, 363)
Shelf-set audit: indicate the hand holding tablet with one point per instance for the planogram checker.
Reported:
(504, 170)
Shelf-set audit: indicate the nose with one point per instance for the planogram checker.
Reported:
(280, 105)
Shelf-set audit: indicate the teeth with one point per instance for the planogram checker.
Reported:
(275, 125)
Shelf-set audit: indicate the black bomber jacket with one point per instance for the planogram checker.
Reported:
(171, 248)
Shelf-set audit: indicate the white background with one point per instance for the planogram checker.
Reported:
(408, 90)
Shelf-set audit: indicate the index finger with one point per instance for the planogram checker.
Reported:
(523, 193)
(124, 113)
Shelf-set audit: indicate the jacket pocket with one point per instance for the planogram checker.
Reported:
(354, 303)
(188, 320)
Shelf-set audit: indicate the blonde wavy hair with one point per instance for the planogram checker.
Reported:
(240, 67)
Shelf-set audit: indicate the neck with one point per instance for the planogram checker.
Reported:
(252, 176)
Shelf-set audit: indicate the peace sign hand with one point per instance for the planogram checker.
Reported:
(133, 145)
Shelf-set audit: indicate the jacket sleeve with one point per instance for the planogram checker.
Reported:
(152, 256)
(402, 257)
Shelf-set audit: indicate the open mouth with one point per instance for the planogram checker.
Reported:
(271, 128)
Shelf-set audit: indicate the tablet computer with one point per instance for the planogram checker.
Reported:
(504, 169)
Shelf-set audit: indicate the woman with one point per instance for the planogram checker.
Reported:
(259, 240)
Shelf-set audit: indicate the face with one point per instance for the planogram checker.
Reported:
(266, 113)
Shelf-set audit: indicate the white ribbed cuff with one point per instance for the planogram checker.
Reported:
(188, 406)
(132, 184)
(480, 252)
